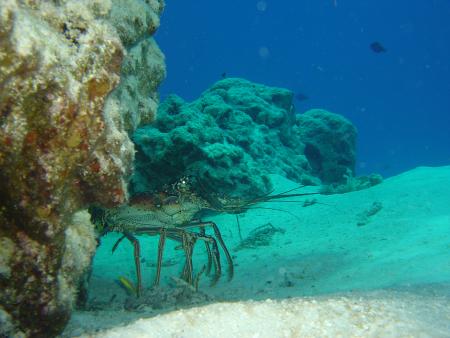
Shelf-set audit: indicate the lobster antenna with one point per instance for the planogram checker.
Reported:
(239, 226)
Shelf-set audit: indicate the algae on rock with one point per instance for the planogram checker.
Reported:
(63, 145)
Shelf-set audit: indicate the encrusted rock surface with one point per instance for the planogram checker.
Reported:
(330, 144)
(64, 142)
(143, 67)
(235, 134)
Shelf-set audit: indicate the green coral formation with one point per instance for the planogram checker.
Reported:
(330, 144)
(235, 134)
(63, 145)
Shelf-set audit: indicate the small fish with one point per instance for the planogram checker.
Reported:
(301, 97)
(377, 47)
(224, 75)
(126, 284)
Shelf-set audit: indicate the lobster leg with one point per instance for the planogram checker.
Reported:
(208, 251)
(213, 255)
(117, 243)
(214, 252)
(224, 248)
(188, 246)
(188, 239)
(162, 241)
(137, 262)
(217, 264)
(221, 242)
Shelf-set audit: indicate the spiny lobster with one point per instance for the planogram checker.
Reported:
(174, 214)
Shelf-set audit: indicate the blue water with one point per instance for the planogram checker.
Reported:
(398, 100)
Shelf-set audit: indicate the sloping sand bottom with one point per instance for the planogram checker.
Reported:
(323, 266)
(375, 314)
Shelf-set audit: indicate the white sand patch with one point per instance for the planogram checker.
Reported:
(378, 314)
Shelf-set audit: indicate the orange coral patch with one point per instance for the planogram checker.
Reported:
(8, 141)
(31, 137)
(95, 167)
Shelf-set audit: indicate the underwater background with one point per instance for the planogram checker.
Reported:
(398, 100)
(224, 168)
(383, 66)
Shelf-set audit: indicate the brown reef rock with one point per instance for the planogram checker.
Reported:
(64, 142)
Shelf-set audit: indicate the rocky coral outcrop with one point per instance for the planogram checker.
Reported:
(143, 67)
(64, 142)
(235, 134)
(330, 144)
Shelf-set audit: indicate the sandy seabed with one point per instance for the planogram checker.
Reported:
(370, 263)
